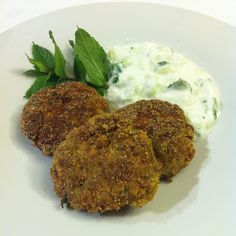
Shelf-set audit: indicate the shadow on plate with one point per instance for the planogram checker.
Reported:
(170, 199)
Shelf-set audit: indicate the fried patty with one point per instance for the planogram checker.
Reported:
(50, 114)
(105, 165)
(171, 135)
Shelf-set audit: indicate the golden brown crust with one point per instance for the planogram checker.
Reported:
(53, 112)
(166, 126)
(105, 165)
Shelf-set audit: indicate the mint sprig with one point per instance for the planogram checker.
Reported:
(49, 68)
(91, 65)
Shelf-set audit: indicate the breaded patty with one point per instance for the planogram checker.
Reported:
(166, 125)
(50, 114)
(105, 165)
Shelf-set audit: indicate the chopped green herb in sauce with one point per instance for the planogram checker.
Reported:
(215, 108)
(180, 84)
(162, 63)
(114, 73)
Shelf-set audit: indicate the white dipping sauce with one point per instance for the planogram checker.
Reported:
(151, 71)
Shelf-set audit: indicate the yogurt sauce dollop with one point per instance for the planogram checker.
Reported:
(151, 71)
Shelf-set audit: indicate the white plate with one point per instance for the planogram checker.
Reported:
(200, 201)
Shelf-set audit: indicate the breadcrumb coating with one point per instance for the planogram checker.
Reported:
(50, 114)
(105, 165)
(171, 135)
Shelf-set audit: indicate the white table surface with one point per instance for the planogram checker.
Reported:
(13, 12)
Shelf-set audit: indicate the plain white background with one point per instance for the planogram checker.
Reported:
(13, 12)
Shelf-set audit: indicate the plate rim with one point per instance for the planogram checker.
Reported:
(130, 2)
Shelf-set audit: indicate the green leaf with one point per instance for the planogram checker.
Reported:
(101, 91)
(79, 70)
(180, 84)
(34, 73)
(72, 43)
(44, 56)
(93, 57)
(39, 83)
(59, 58)
(38, 65)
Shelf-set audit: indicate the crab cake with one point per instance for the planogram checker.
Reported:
(105, 165)
(171, 135)
(50, 114)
